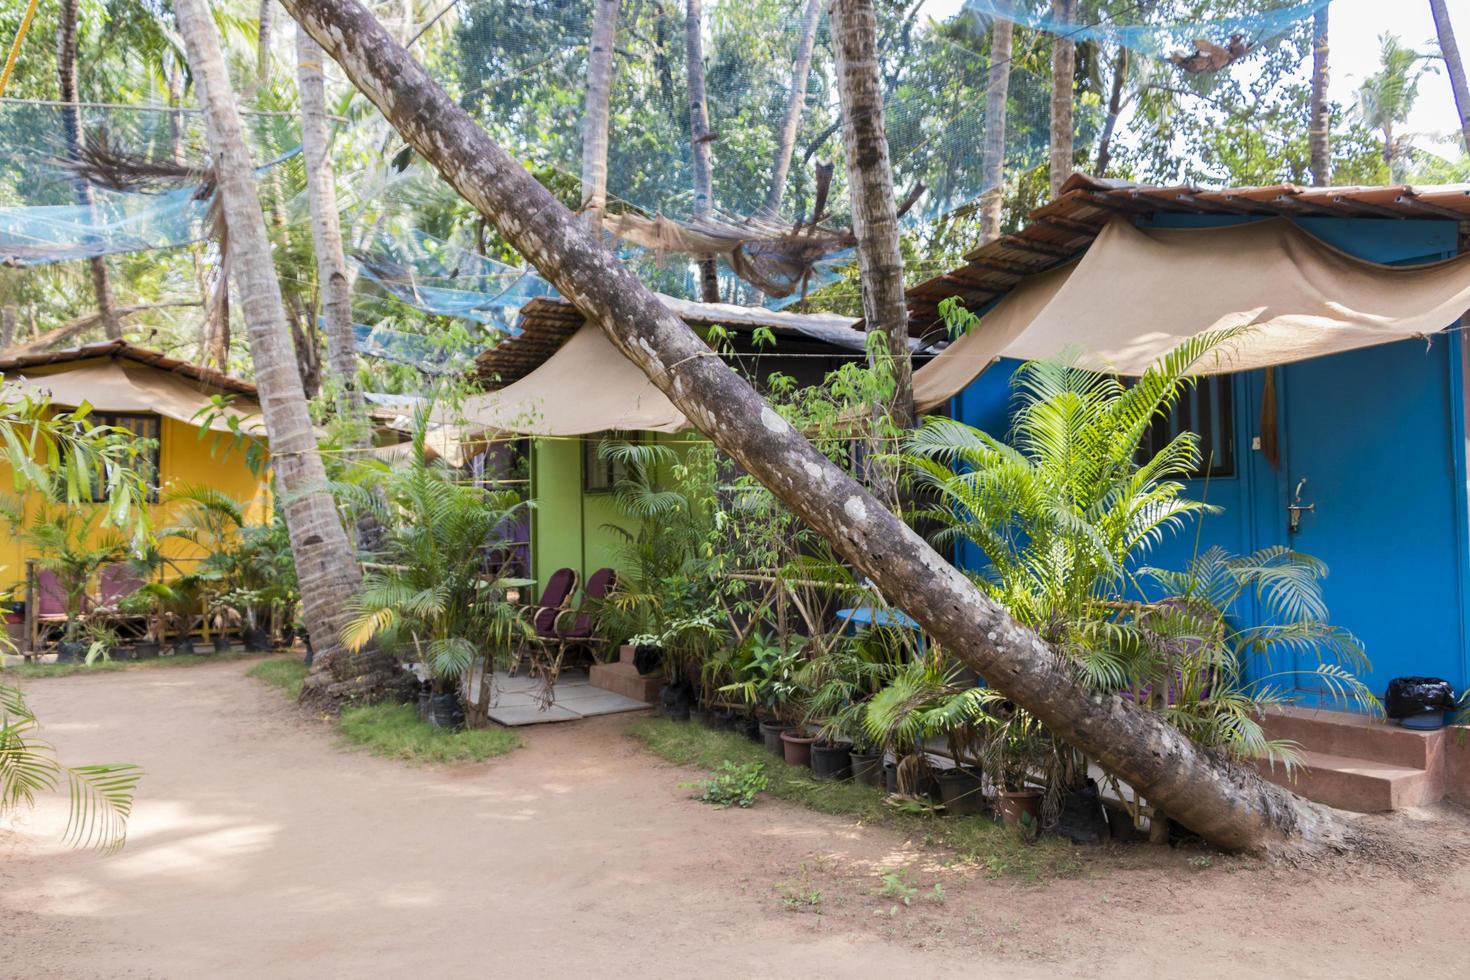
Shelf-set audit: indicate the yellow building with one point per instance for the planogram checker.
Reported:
(159, 398)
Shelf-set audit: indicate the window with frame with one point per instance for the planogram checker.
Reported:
(143, 426)
(1208, 409)
(600, 474)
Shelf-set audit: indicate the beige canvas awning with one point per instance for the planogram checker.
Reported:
(116, 385)
(1138, 293)
(586, 386)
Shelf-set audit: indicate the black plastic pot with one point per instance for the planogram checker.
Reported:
(426, 700)
(727, 720)
(831, 761)
(257, 639)
(771, 735)
(145, 650)
(221, 643)
(750, 726)
(867, 768)
(184, 647)
(675, 701)
(69, 652)
(445, 711)
(647, 660)
(1082, 819)
(927, 786)
(961, 791)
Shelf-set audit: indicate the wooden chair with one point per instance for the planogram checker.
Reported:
(573, 629)
(555, 599)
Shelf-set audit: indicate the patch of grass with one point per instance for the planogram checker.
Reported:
(106, 666)
(288, 674)
(980, 839)
(397, 732)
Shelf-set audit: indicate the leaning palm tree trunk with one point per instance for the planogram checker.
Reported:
(325, 566)
(1320, 138)
(1063, 73)
(700, 138)
(870, 187)
(1449, 49)
(795, 103)
(1229, 805)
(71, 124)
(595, 116)
(997, 96)
(326, 230)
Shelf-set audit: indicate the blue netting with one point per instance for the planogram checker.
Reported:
(1167, 34)
(417, 350)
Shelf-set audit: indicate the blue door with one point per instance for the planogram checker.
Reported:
(1369, 455)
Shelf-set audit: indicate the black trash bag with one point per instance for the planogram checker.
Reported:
(1409, 696)
(446, 711)
(648, 660)
(1082, 819)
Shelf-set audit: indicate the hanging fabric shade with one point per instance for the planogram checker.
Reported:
(1137, 293)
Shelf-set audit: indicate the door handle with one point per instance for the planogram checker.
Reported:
(1296, 508)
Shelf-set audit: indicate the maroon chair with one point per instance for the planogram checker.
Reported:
(116, 582)
(574, 629)
(555, 598)
(50, 596)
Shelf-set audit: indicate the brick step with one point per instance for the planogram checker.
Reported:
(1357, 784)
(1344, 733)
(623, 678)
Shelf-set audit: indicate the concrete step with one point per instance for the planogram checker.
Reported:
(1357, 784)
(1358, 736)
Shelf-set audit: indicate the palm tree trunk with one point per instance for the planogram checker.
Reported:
(325, 566)
(795, 104)
(71, 124)
(263, 40)
(870, 188)
(333, 283)
(595, 116)
(699, 141)
(1115, 108)
(1320, 136)
(1063, 71)
(1449, 49)
(997, 104)
(1229, 805)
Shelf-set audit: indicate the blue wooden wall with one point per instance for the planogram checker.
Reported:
(1379, 436)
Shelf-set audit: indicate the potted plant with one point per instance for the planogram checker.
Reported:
(767, 681)
(1016, 749)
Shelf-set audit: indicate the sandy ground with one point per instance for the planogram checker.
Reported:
(261, 849)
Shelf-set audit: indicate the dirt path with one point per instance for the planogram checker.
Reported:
(260, 849)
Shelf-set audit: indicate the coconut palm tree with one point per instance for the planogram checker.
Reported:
(325, 564)
(1063, 96)
(1320, 137)
(700, 138)
(333, 283)
(600, 65)
(1449, 50)
(870, 188)
(1386, 98)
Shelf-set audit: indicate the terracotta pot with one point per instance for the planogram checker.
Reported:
(1013, 802)
(797, 748)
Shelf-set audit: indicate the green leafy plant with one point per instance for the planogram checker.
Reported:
(429, 594)
(733, 784)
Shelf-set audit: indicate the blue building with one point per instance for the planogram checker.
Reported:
(1371, 440)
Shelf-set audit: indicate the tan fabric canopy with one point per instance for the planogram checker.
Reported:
(1138, 293)
(586, 386)
(115, 385)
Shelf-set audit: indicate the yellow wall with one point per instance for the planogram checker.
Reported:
(184, 459)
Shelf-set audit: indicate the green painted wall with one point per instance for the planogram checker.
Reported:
(568, 528)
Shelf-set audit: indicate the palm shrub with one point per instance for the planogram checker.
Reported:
(63, 455)
(665, 594)
(71, 543)
(430, 595)
(1066, 513)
